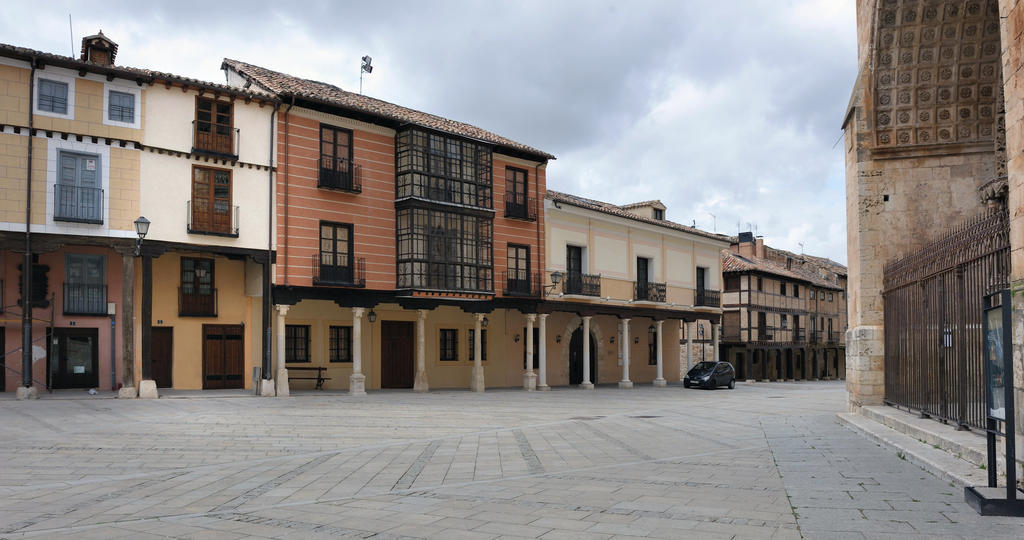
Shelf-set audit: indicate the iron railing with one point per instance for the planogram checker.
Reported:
(933, 310)
(221, 220)
(80, 204)
(340, 174)
(583, 284)
(192, 303)
(520, 206)
(774, 300)
(708, 298)
(80, 299)
(520, 283)
(209, 138)
(351, 275)
(649, 291)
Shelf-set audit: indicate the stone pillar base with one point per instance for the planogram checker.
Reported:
(27, 392)
(266, 388)
(127, 392)
(281, 383)
(357, 384)
(543, 387)
(751, 381)
(421, 385)
(476, 382)
(660, 383)
(147, 390)
(625, 384)
(587, 386)
(865, 366)
(529, 381)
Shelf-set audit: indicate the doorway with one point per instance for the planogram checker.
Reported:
(223, 356)
(396, 354)
(73, 358)
(162, 356)
(576, 358)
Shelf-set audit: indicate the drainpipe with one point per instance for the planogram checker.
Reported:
(26, 267)
(541, 256)
(267, 300)
(287, 179)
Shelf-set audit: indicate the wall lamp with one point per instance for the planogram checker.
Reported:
(141, 228)
(558, 338)
(611, 339)
(484, 322)
(556, 278)
(636, 340)
(516, 339)
(372, 316)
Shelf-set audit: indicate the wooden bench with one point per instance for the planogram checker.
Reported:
(319, 378)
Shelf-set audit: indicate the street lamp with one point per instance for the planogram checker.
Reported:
(556, 278)
(141, 228)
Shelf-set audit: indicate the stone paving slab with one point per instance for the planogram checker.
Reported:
(761, 461)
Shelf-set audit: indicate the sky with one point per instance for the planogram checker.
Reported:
(727, 112)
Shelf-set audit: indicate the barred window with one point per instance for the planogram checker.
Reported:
(443, 168)
(296, 343)
(52, 96)
(340, 343)
(444, 251)
(121, 107)
(449, 343)
(483, 345)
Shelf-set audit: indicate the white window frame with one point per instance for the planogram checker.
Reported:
(53, 148)
(134, 90)
(56, 77)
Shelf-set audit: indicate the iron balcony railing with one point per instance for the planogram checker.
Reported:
(649, 291)
(583, 284)
(708, 298)
(79, 204)
(351, 275)
(80, 299)
(520, 206)
(220, 220)
(213, 139)
(833, 336)
(194, 302)
(340, 174)
(520, 283)
(800, 335)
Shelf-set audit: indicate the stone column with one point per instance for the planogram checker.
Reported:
(281, 379)
(587, 384)
(128, 389)
(529, 378)
(421, 384)
(542, 368)
(660, 379)
(476, 382)
(357, 381)
(714, 341)
(625, 382)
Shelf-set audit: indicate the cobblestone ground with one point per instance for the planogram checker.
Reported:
(763, 460)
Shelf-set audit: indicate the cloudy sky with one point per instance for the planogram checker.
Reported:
(724, 109)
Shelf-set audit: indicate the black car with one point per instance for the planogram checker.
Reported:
(711, 375)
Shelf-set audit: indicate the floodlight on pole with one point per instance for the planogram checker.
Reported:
(365, 68)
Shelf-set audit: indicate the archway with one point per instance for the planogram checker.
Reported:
(576, 357)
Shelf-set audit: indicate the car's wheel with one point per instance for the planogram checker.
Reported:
(732, 384)
(686, 384)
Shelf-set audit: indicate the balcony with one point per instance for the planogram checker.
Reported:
(799, 335)
(519, 283)
(648, 291)
(214, 140)
(833, 337)
(77, 204)
(708, 298)
(193, 303)
(520, 206)
(221, 220)
(583, 284)
(340, 174)
(337, 275)
(80, 299)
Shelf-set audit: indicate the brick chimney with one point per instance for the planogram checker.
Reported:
(745, 244)
(759, 247)
(99, 50)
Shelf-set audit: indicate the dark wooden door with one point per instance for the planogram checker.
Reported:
(223, 356)
(576, 358)
(396, 354)
(74, 358)
(642, 266)
(163, 345)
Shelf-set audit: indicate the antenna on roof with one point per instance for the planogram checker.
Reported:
(365, 68)
(71, 31)
(801, 247)
(714, 222)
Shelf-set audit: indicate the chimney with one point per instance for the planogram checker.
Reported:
(746, 244)
(99, 50)
(759, 247)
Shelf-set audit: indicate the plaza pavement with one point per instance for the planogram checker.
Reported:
(765, 460)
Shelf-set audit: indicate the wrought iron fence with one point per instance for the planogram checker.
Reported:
(340, 174)
(520, 283)
(584, 284)
(708, 298)
(348, 275)
(933, 341)
(650, 291)
(520, 206)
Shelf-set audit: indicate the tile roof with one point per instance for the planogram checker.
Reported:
(655, 202)
(131, 73)
(734, 262)
(622, 211)
(285, 85)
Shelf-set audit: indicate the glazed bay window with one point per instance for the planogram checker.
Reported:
(340, 344)
(210, 211)
(214, 132)
(52, 96)
(197, 296)
(448, 342)
(296, 343)
(442, 168)
(447, 251)
(78, 193)
(85, 285)
(336, 168)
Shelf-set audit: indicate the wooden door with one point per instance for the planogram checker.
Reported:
(162, 356)
(397, 368)
(223, 356)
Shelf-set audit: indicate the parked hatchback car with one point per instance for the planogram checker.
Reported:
(711, 375)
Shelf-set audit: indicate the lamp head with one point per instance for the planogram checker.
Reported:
(141, 227)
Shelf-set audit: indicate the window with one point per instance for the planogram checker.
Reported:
(85, 289)
(449, 344)
(830, 297)
(78, 193)
(296, 343)
(121, 107)
(483, 345)
(518, 281)
(796, 291)
(821, 295)
(659, 214)
(442, 250)
(335, 252)
(517, 200)
(732, 283)
(760, 284)
(784, 321)
(197, 295)
(53, 96)
(702, 278)
(340, 344)
(335, 157)
(442, 168)
(214, 133)
(782, 289)
(211, 210)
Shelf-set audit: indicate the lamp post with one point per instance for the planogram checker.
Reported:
(147, 386)
(141, 229)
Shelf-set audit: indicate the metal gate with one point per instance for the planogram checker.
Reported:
(933, 342)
